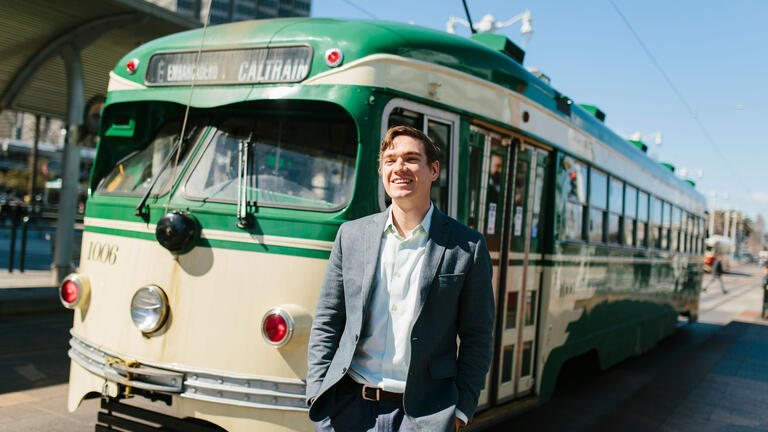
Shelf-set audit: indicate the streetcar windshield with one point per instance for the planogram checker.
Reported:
(295, 161)
(134, 174)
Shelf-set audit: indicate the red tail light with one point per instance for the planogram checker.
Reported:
(73, 289)
(69, 291)
(277, 327)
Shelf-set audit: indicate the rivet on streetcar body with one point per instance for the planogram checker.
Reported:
(132, 66)
(334, 57)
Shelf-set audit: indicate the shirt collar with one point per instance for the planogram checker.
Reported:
(425, 224)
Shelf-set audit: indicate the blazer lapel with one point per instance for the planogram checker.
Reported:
(432, 256)
(372, 244)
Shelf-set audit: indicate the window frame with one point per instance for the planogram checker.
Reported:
(583, 204)
(430, 113)
(594, 207)
(212, 130)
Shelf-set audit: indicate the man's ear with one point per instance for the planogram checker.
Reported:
(435, 166)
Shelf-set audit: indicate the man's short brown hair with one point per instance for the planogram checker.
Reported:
(431, 149)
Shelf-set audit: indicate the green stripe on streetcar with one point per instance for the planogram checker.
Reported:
(221, 244)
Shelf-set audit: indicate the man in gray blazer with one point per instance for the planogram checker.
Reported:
(399, 288)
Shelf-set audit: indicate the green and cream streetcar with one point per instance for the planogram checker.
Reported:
(228, 157)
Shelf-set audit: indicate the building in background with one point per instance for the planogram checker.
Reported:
(224, 11)
(17, 137)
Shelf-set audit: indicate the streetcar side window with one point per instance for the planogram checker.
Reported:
(691, 230)
(654, 223)
(598, 199)
(674, 239)
(630, 215)
(441, 134)
(699, 234)
(574, 186)
(684, 231)
(136, 172)
(666, 223)
(615, 209)
(642, 220)
(694, 230)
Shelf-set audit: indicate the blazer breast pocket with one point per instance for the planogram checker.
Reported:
(450, 280)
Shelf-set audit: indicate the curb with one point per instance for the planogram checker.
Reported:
(17, 301)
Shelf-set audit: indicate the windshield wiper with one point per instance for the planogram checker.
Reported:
(244, 220)
(141, 210)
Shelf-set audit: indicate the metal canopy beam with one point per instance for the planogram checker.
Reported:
(78, 38)
(88, 37)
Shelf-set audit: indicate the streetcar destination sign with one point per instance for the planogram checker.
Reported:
(281, 64)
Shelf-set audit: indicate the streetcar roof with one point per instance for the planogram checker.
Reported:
(361, 38)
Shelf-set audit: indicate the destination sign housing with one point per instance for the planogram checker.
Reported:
(280, 64)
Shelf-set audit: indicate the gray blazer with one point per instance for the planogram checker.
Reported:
(456, 299)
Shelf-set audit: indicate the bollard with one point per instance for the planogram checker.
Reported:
(13, 245)
(23, 253)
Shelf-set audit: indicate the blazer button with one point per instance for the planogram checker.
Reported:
(356, 336)
(343, 370)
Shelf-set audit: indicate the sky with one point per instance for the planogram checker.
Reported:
(715, 54)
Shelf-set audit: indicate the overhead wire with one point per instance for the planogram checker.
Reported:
(360, 8)
(679, 95)
(189, 102)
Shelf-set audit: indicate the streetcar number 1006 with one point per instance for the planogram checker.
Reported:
(102, 252)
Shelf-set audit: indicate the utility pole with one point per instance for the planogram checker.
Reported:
(713, 214)
(33, 162)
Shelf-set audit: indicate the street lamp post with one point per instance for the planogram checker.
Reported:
(489, 24)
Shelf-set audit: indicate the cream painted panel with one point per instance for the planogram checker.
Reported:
(217, 299)
(545, 330)
(117, 83)
(429, 81)
(484, 98)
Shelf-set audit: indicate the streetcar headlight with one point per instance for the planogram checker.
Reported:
(149, 309)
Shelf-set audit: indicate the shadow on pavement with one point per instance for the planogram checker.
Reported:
(613, 399)
(33, 351)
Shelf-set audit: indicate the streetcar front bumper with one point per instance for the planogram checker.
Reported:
(173, 379)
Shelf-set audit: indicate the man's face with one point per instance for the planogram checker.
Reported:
(406, 174)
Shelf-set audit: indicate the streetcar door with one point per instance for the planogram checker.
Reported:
(523, 280)
(488, 170)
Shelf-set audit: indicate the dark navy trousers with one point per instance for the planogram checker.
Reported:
(351, 413)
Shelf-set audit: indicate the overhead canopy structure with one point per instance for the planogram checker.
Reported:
(54, 56)
(38, 35)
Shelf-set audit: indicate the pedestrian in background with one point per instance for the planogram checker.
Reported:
(717, 273)
(765, 291)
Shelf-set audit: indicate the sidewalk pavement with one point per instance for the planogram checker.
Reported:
(30, 292)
